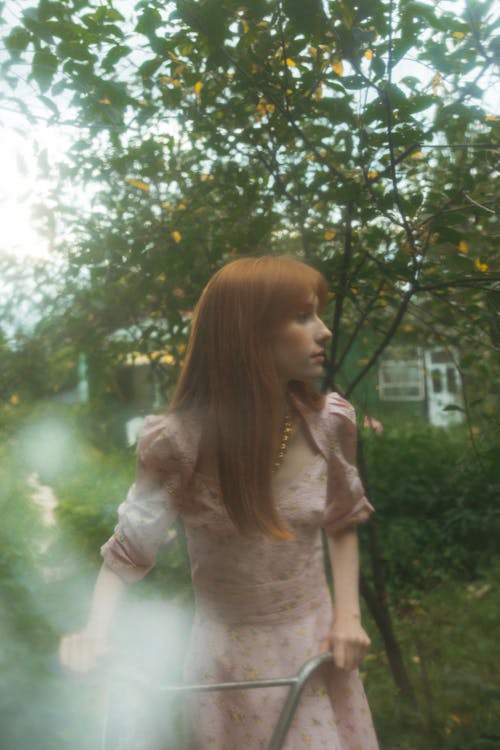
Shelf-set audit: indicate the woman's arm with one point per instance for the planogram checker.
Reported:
(80, 652)
(348, 640)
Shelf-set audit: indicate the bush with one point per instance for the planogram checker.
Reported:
(437, 504)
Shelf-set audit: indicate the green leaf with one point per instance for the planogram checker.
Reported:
(115, 54)
(308, 17)
(44, 68)
(149, 22)
(75, 50)
(17, 41)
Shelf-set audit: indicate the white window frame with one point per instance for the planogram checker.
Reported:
(393, 389)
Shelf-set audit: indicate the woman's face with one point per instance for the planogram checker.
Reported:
(298, 347)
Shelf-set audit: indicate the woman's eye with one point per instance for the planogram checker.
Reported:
(302, 317)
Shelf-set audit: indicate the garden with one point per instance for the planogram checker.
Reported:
(160, 140)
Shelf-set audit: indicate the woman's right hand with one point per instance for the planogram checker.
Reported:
(82, 652)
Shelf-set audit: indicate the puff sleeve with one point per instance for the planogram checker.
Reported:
(151, 503)
(346, 503)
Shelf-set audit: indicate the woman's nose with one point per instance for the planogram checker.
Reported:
(324, 334)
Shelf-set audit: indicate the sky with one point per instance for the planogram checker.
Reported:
(20, 189)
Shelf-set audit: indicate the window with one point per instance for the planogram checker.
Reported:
(401, 374)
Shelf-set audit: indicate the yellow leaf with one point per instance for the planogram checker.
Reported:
(176, 236)
(14, 399)
(312, 51)
(181, 207)
(197, 88)
(417, 155)
(371, 175)
(245, 25)
(436, 83)
(463, 246)
(166, 206)
(329, 234)
(290, 62)
(368, 53)
(483, 267)
(318, 93)
(338, 67)
(492, 118)
(178, 70)
(170, 81)
(139, 184)
(104, 101)
(458, 35)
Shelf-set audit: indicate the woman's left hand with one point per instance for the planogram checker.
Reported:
(348, 642)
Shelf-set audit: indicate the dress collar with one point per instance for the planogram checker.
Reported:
(314, 424)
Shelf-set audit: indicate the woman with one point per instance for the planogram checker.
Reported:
(256, 463)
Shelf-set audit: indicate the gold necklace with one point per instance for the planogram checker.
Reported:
(285, 437)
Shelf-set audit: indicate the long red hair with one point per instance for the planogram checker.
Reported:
(229, 379)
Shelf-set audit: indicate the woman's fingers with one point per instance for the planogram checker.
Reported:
(349, 649)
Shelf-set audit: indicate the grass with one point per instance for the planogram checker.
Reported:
(449, 637)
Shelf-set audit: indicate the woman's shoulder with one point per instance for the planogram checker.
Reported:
(166, 438)
(332, 423)
(338, 406)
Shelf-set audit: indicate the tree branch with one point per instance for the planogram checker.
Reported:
(385, 341)
(361, 320)
(339, 301)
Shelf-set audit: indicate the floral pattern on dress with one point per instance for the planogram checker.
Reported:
(263, 608)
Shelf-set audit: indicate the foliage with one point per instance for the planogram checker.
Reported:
(444, 632)
(212, 129)
(437, 505)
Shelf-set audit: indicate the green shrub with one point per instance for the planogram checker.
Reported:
(437, 504)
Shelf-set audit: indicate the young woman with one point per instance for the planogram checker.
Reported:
(257, 463)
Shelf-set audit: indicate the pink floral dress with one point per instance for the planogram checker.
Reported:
(262, 606)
